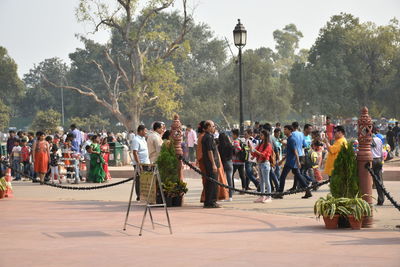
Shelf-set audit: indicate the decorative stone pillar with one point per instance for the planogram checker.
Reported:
(176, 133)
(364, 156)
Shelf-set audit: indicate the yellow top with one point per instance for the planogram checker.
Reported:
(333, 153)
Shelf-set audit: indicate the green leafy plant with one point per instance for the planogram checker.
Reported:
(168, 163)
(331, 206)
(175, 189)
(3, 184)
(358, 207)
(344, 181)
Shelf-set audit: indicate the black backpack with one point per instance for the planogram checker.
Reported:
(243, 154)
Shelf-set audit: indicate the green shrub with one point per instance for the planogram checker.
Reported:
(344, 180)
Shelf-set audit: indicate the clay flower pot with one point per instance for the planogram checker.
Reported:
(355, 225)
(331, 223)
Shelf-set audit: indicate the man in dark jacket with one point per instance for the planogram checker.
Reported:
(211, 162)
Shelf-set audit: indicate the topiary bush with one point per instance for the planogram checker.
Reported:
(168, 164)
(344, 180)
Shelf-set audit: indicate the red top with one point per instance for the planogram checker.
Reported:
(265, 150)
(329, 131)
(25, 153)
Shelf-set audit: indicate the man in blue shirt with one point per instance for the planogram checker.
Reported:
(77, 135)
(292, 163)
(75, 148)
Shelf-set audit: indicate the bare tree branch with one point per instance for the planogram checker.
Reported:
(184, 30)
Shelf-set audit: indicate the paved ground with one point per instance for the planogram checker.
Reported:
(43, 226)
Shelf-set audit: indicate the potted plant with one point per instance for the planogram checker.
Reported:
(173, 187)
(344, 182)
(330, 208)
(358, 208)
(3, 187)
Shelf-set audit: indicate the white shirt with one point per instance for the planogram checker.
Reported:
(191, 138)
(139, 144)
(154, 143)
(377, 147)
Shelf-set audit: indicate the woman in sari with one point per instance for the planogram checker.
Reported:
(96, 174)
(105, 150)
(41, 155)
(222, 192)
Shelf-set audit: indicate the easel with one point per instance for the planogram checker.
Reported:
(149, 203)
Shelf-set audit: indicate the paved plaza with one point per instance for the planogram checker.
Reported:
(44, 226)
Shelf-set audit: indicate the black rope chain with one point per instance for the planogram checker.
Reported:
(291, 192)
(68, 187)
(379, 184)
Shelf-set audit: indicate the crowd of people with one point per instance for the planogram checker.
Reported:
(58, 157)
(263, 156)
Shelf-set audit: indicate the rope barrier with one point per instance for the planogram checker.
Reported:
(379, 184)
(274, 194)
(68, 187)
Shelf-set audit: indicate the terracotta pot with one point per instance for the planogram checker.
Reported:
(2, 194)
(355, 225)
(331, 223)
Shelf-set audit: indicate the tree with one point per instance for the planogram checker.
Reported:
(91, 123)
(351, 65)
(4, 116)
(39, 94)
(11, 87)
(139, 78)
(47, 121)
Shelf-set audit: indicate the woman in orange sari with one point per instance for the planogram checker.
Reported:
(105, 152)
(222, 192)
(41, 155)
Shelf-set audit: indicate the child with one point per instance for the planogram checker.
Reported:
(16, 160)
(26, 157)
(54, 161)
(316, 155)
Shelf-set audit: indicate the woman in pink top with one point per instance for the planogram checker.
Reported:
(263, 154)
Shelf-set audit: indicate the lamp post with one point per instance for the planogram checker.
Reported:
(240, 38)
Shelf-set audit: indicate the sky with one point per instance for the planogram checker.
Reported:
(33, 30)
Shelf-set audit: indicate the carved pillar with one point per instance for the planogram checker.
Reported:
(364, 156)
(176, 133)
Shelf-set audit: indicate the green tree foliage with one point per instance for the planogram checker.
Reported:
(344, 179)
(11, 87)
(351, 65)
(46, 121)
(4, 116)
(39, 94)
(91, 123)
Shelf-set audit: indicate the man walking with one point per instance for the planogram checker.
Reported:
(238, 158)
(211, 162)
(377, 155)
(391, 138)
(140, 155)
(292, 163)
(396, 131)
(191, 139)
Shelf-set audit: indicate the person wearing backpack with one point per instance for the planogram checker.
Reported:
(238, 158)
(250, 161)
(263, 153)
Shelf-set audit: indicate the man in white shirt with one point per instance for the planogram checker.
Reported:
(191, 138)
(377, 155)
(140, 155)
(154, 141)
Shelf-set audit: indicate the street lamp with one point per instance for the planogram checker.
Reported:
(240, 38)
